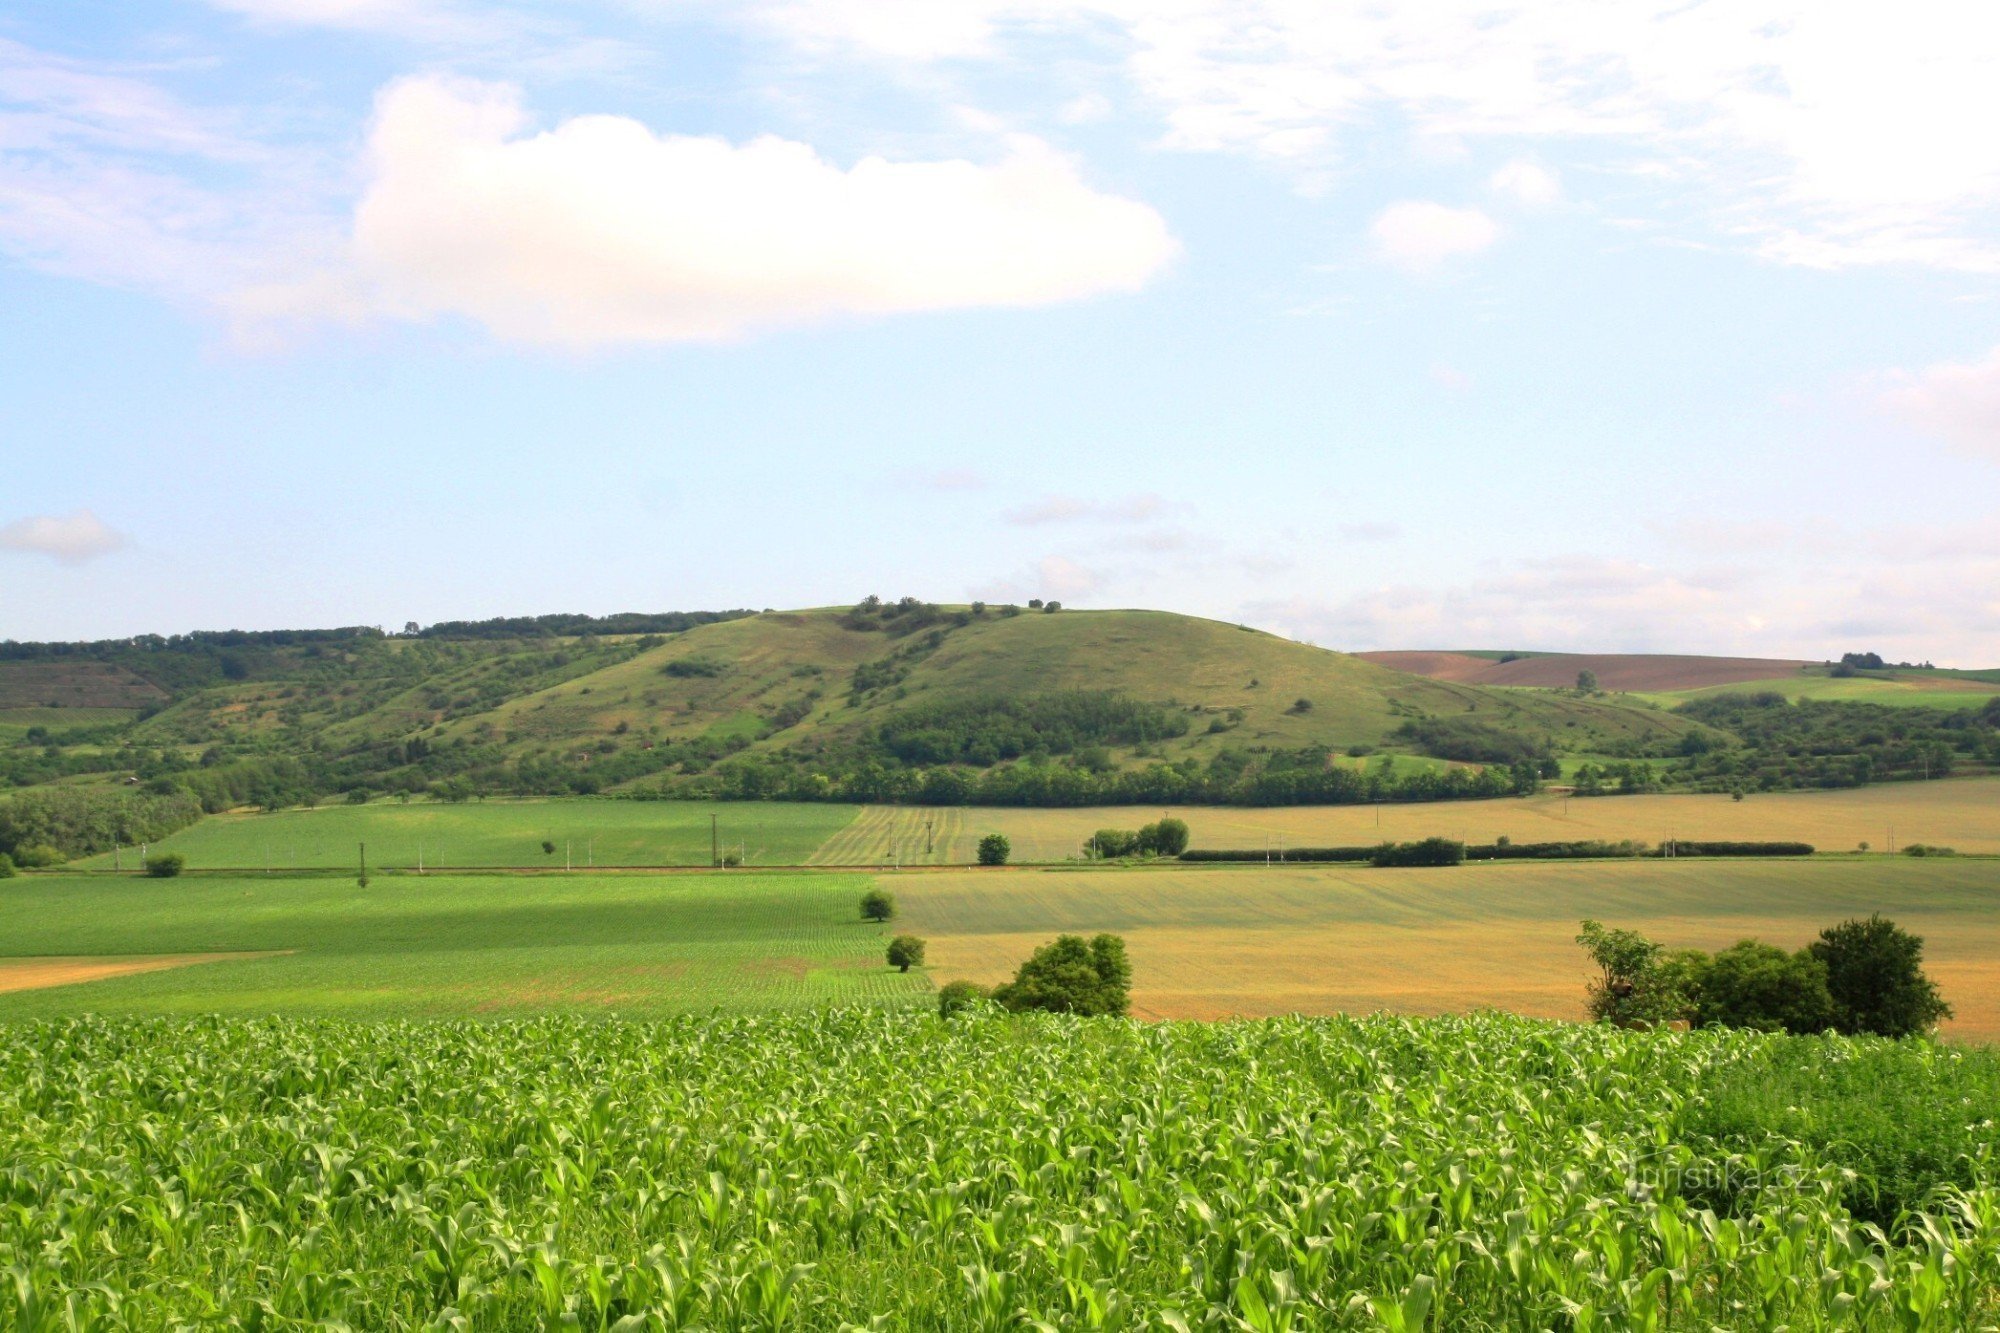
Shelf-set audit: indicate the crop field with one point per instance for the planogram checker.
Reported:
(857, 1170)
(452, 946)
(586, 833)
(1962, 813)
(1907, 691)
(1248, 940)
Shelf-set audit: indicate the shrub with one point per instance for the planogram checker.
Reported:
(1874, 972)
(166, 865)
(1752, 985)
(1428, 852)
(548, 847)
(1922, 849)
(6, 866)
(1072, 976)
(693, 666)
(994, 849)
(358, 796)
(1633, 987)
(906, 952)
(39, 856)
(956, 997)
(1301, 705)
(878, 905)
(1164, 837)
(1287, 854)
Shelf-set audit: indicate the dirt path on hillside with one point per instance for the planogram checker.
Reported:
(40, 973)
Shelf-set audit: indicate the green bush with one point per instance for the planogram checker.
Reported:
(6, 866)
(37, 856)
(1752, 985)
(994, 849)
(1071, 976)
(956, 997)
(1428, 852)
(906, 952)
(878, 905)
(166, 865)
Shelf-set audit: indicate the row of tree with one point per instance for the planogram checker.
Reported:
(1857, 977)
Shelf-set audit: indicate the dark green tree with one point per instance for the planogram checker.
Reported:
(878, 905)
(1070, 975)
(166, 865)
(1875, 975)
(1631, 988)
(994, 849)
(1586, 682)
(906, 952)
(6, 866)
(1164, 837)
(1752, 985)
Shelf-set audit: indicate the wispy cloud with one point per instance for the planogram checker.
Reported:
(1419, 235)
(1076, 509)
(70, 539)
(1959, 401)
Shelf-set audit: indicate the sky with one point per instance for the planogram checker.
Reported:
(1603, 325)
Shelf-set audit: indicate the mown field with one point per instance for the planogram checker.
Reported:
(1246, 940)
(410, 946)
(1961, 813)
(859, 1170)
(508, 833)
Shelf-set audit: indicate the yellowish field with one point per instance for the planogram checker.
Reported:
(1962, 813)
(41, 973)
(893, 835)
(1210, 942)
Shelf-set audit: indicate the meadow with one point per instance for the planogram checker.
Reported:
(462, 945)
(870, 1170)
(1963, 813)
(509, 833)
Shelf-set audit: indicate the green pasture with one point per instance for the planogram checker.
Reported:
(586, 833)
(410, 946)
(1912, 690)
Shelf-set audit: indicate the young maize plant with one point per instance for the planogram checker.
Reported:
(878, 1170)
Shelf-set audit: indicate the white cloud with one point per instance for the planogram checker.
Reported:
(1821, 132)
(1419, 235)
(1526, 183)
(600, 231)
(1959, 401)
(1060, 577)
(1072, 509)
(72, 539)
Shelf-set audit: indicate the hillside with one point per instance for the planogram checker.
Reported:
(881, 688)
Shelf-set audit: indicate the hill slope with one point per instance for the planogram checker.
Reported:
(901, 686)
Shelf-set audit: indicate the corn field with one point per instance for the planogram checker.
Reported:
(855, 1169)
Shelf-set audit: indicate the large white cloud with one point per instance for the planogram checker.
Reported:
(1821, 132)
(601, 231)
(1957, 400)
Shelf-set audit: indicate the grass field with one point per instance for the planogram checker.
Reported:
(458, 945)
(507, 833)
(1962, 813)
(1211, 942)
(1914, 691)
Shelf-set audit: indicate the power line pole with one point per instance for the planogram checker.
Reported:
(714, 847)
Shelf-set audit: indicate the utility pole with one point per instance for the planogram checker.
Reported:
(566, 858)
(930, 822)
(590, 852)
(420, 858)
(714, 847)
(364, 863)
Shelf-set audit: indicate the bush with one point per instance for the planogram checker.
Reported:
(166, 865)
(6, 866)
(906, 952)
(548, 847)
(1752, 985)
(1164, 837)
(994, 849)
(1554, 851)
(1923, 849)
(1874, 972)
(878, 905)
(956, 997)
(693, 666)
(1682, 848)
(1428, 852)
(1071, 976)
(1633, 988)
(1288, 854)
(1109, 843)
(39, 856)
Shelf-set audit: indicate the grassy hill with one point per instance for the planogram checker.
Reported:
(900, 686)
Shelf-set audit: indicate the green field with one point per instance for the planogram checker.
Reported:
(856, 1170)
(507, 833)
(458, 945)
(1915, 690)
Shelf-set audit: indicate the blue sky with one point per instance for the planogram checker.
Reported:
(1556, 325)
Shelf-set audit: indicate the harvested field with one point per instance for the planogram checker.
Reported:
(74, 684)
(1963, 813)
(906, 835)
(41, 973)
(1248, 941)
(1641, 672)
